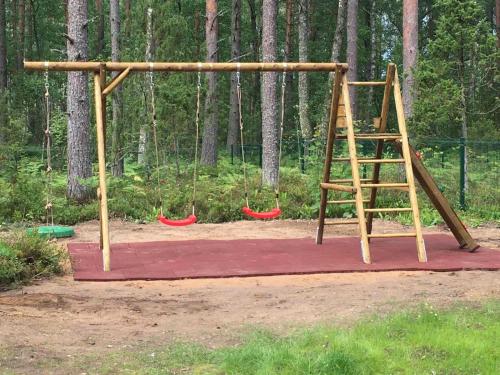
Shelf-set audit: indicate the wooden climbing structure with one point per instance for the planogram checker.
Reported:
(342, 127)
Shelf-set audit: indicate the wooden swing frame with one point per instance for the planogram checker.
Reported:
(103, 87)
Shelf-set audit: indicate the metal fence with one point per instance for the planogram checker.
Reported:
(468, 172)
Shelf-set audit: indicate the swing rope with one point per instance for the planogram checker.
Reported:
(48, 149)
(247, 210)
(191, 219)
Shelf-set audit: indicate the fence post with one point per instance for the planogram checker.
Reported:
(462, 173)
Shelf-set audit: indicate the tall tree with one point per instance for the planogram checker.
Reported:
(254, 24)
(21, 26)
(410, 50)
(305, 124)
(79, 159)
(116, 140)
(373, 55)
(352, 51)
(336, 46)
(497, 21)
(143, 130)
(209, 146)
(100, 27)
(270, 131)
(232, 131)
(3, 70)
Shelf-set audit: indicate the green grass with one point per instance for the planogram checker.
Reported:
(461, 340)
(24, 257)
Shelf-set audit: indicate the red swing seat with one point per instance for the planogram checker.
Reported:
(274, 213)
(191, 219)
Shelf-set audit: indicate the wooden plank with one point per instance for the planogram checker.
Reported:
(332, 124)
(365, 249)
(440, 202)
(367, 83)
(422, 254)
(384, 185)
(341, 123)
(392, 235)
(346, 201)
(405, 209)
(343, 222)
(383, 161)
(101, 154)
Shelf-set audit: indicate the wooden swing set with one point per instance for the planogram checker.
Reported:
(340, 118)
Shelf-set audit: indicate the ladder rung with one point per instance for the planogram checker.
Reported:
(392, 235)
(344, 180)
(372, 83)
(375, 161)
(344, 222)
(386, 136)
(347, 201)
(385, 185)
(377, 136)
(329, 186)
(341, 159)
(405, 209)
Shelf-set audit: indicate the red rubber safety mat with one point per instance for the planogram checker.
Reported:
(171, 260)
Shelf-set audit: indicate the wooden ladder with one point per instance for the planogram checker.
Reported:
(341, 118)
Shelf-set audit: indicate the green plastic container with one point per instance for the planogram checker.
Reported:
(55, 231)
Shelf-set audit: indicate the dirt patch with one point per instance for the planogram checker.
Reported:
(61, 319)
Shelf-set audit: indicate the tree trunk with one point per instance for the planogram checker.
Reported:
(254, 98)
(117, 165)
(373, 57)
(128, 17)
(79, 159)
(100, 27)
(337, 45)
(352, 51)
(21, 26)
(3, 72)
(209, 146)
(410, 49)
(286, 58)
(270, 131)
(497, 21)
(305, 125)
(143, 130)
(233, 126)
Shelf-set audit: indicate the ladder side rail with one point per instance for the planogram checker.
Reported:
(332, 124)
(422, 255)
(365, 249)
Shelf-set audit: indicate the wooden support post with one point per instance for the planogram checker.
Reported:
(115, 82)
(398, 100)
(101, 154)
(380, 144)
(184, 66)
(332, 123)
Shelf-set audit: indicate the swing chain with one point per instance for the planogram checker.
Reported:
(48, 148)
(243, 161)
(197, 121)
(155, 133)
(282, 125)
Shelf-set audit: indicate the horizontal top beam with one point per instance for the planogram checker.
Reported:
(181, 66)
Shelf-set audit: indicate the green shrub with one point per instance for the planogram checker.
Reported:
(25, 257)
